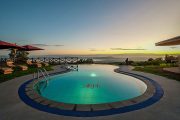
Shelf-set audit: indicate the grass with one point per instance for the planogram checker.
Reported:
(157, 70)
(18, 73)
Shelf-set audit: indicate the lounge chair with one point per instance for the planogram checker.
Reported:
(6, 70)
(45, 64)
(30, 63)
(10, 63)
(22, 67)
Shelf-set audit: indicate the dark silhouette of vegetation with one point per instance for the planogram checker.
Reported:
(150, 61)
(22, 56)
(12, 54)
(155, 66)
(18, 56)
(170, 59)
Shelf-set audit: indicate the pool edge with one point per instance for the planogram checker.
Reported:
(158, 94)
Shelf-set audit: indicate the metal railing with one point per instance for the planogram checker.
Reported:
(58, 60)
(41, 73)
(70, 67)
(50, 60)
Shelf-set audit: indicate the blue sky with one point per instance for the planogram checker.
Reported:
(90, 26)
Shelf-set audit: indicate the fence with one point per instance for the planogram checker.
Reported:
(52, 60)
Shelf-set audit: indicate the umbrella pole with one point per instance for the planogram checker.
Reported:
(15, 51)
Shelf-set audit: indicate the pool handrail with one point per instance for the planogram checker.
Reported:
(44, 74)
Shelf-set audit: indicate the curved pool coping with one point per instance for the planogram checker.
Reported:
(153, 94)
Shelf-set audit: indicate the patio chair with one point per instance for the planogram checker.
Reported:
(30, 63)
(22, 67)
(10, 64)
(6, 70)
(45, 64)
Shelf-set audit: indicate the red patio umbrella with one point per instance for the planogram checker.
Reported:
(30, 48)
(7, 45)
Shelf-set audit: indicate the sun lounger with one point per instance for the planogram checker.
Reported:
(22, 67)
(30, 63)
(10, 63)
(6, 70)
(45, 64)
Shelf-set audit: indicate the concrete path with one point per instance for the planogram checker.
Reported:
(168, 108)
(173, 70)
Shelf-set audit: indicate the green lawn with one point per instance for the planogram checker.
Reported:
(158, 70)
(18, 73)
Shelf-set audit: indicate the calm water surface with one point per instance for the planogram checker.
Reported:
(92, 84)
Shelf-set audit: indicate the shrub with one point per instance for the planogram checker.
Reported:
(170, 59)
(22, 56)
(150, 59)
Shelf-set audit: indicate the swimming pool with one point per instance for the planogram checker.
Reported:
(95, 90)
(91, 84)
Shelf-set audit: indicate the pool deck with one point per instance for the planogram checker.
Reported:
(168, 108)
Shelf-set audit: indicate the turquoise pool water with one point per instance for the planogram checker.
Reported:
(92, 84)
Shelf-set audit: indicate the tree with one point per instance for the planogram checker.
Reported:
(12, 54)
(169, 58)
(150, 59)
(158, 59)
(22, 56)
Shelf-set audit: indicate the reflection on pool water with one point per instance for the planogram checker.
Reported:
(92, 84)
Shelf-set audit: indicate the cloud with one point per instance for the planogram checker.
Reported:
(173, 47)
(127, 49)
(93, 49)
(45, 45)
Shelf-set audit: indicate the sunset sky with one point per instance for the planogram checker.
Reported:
(91, 26)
